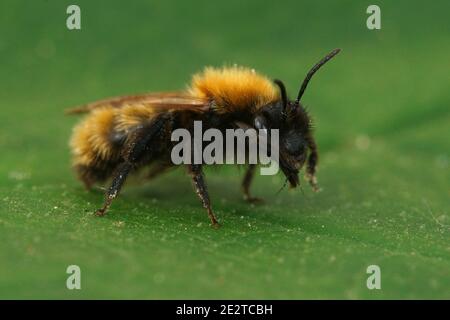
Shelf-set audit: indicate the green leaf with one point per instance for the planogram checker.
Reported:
(382, 118)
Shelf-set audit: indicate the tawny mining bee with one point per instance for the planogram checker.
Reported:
(121, 135)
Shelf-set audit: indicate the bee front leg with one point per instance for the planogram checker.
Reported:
(196, 173)
(246, 182)
(313, 159)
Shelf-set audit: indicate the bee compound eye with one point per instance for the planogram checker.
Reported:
(295, 144)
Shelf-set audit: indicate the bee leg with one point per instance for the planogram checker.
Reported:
(246, 182)
(196, 173)
(117, 183)
(133, 154)
(313, 159)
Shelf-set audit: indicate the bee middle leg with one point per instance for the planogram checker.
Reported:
(246, 182)
(196, 173)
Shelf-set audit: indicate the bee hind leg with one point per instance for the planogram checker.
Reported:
(246, 182)
(136, 150)
(121, 174)
(198, 180)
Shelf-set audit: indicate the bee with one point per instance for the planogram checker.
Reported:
(123, 134)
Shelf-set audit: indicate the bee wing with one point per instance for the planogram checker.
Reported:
(160, 100)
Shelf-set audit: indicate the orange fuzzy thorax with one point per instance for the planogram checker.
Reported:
(234, 88)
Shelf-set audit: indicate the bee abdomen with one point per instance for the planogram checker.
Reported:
(96, 146)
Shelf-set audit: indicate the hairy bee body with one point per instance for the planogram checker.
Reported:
(121, 135)
(233, 94)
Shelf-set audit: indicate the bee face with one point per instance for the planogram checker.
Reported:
(294, 128)
(297, 128)
(294, 142)
(295, 145)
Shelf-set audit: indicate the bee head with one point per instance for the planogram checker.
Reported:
(294, 124)
(294, 127)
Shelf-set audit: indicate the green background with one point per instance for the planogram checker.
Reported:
(382, 124)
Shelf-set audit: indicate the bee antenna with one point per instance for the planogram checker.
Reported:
(280, 84)
(312, 71)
